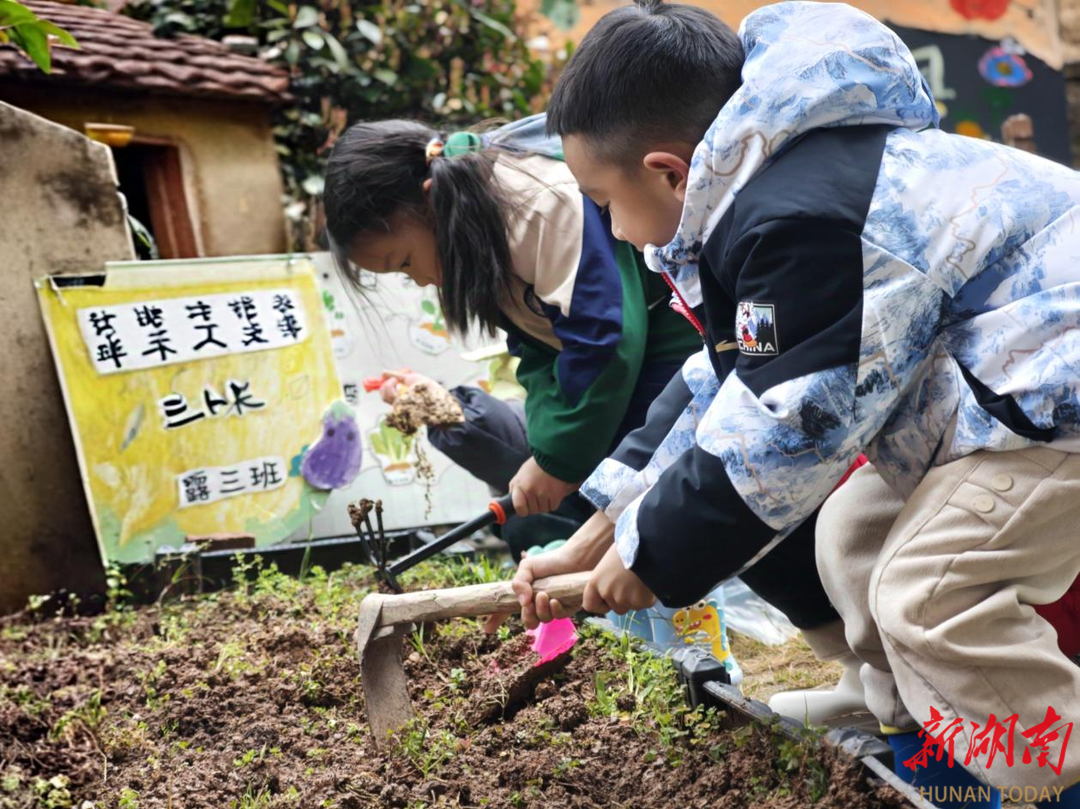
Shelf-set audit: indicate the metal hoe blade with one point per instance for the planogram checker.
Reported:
(386, 619)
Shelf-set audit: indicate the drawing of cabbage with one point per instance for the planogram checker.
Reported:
(393, 445)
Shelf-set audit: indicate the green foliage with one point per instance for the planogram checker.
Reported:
(118, 596)
(252, 756)
(802, 757)
(458, 61)
(642, 690)
(252, 799)
(457, 679)
(31, 34)
(53, 793)
(150, 680)
(88, 717)
(232, 659)
(26, 699)
(605, 702)
(426, 749)
(455, 572)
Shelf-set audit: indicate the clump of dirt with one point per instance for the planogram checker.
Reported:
(252, 700)
(512, 678)
(422, 404)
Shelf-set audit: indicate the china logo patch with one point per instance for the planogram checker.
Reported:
(755, 329)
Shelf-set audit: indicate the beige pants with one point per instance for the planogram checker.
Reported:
(936, 596)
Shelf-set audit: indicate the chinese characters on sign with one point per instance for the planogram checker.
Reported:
(991, 740)
(212, 483)
(149, 334)
(178, 413)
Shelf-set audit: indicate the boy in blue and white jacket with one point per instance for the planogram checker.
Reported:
(867, 282)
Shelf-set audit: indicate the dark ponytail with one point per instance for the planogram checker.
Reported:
(377, 170)
(470, 231)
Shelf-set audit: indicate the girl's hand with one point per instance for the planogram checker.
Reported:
(397, 382)
(536, 492)
(581, 552)
(613, 588)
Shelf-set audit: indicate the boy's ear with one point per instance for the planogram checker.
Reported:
(673, 168)
(427, 186)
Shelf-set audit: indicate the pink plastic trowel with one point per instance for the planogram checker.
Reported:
(552, 639)
(555, 637)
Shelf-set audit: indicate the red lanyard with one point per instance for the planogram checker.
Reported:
(682, 308)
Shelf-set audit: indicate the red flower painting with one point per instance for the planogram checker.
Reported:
(980, 9)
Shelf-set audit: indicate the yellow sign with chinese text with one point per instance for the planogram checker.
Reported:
(193, 388)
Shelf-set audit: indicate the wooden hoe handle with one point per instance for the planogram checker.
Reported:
(476, 599)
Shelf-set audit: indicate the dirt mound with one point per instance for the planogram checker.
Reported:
(252, 700)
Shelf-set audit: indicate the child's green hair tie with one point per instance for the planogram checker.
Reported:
(462, 143)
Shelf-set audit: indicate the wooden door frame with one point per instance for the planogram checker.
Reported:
(170, 216)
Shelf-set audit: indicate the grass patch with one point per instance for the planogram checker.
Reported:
(768, 670)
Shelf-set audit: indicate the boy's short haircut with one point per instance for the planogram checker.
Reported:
(644, 74)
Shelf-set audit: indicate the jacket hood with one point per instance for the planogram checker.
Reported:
(808, 66)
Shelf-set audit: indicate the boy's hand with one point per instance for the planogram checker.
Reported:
(581, 552)
(536, 492)
(613, 588)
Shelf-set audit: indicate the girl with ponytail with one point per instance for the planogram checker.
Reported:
(496, 222)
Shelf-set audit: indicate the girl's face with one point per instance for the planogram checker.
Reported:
(409, 247)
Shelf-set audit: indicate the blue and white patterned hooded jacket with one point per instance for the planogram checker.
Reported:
(869, 283)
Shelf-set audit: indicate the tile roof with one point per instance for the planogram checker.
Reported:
(120, 52)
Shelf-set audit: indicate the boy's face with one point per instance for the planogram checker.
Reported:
(645, 200)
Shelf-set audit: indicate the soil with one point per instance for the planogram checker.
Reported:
(251, 699)
(430, 404)
(424, 404)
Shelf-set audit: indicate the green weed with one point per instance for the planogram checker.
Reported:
(53, 793)
(117, 595)
(253, 800)
(232, 659)
(89, 716)
(457, 679)
(26, 699)
(426, 749)
(802, 756)
(255, 756)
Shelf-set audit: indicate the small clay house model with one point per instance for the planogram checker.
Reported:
(188, 120)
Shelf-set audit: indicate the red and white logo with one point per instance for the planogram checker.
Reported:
(755, 329)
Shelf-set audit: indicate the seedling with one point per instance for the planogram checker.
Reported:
(457, 679)
(426, 749)
(250, 757)
(89, 716)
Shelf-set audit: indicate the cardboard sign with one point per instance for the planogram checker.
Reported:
(193, 388)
